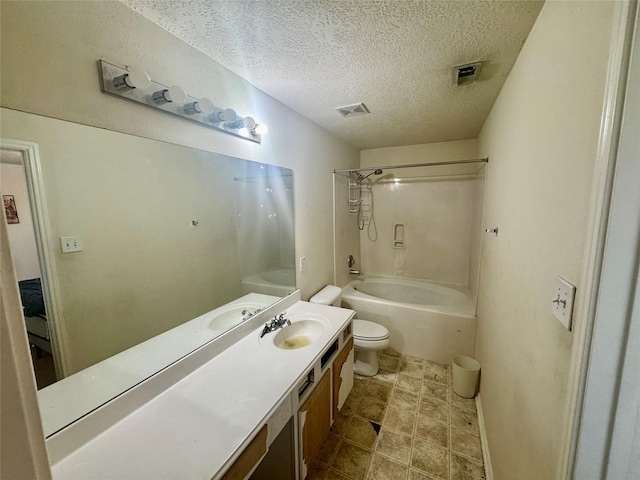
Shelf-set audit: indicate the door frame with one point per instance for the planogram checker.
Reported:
(596, 376)
(46, 253)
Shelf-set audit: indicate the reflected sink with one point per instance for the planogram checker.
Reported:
(223, 318)
(303, 331)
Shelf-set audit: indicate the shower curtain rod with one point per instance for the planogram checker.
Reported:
(411, 165)
(262, 177)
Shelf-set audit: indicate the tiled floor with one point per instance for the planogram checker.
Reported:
(406, 423)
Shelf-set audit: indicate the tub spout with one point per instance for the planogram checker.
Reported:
(354, 272)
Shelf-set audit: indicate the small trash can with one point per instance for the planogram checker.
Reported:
(466, 373)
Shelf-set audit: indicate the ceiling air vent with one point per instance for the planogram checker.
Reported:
(466, 74)
(353, 110)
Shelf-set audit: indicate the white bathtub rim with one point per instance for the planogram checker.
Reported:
(467, 310)
(413, 281)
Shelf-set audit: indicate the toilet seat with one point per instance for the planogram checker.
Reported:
(366, 330)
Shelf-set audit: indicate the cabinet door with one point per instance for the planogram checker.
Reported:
(339, 380)
(315, 418)
(249, 457)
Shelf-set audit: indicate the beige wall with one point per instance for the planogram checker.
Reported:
(49, 66)
(426, 152)
(541, 137)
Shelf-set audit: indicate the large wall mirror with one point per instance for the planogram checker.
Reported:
(173, 247)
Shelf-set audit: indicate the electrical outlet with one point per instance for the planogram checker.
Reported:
(303, 263)
(70, 244)
(562, 301)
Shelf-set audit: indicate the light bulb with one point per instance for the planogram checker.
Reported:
(175, 94)
(227, 115)
(249, 123)
(134, 78)
(204, 105)
(260, 129)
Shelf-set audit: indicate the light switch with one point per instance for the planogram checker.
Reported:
(70, 244)
(562, 301)
(303, 263)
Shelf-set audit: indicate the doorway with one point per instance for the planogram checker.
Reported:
(21, 186)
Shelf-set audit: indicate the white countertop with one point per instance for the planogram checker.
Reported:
(194, 428)
(72, 397)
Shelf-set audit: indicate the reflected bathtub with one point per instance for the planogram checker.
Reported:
(424, 319)
(278, 281)
(280, 276)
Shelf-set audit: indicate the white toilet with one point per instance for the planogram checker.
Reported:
(368, 337)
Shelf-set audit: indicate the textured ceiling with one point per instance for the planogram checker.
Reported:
(395, 56)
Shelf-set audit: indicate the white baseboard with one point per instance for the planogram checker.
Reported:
(486, 456)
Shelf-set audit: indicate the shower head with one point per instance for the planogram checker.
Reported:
(377, 171)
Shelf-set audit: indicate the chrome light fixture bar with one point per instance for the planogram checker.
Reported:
(135, 84)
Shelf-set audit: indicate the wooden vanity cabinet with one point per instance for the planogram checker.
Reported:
(319, 410)
(342, 372)
(249, 457)
(299, 437)
(315, 418)
(279, 462)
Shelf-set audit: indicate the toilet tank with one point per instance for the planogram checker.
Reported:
(329, 295)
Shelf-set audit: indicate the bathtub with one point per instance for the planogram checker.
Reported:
(426, 320)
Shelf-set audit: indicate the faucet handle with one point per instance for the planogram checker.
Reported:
(266, 329)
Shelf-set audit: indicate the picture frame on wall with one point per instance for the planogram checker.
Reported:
(10, 209)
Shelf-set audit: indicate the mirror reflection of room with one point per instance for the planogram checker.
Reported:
(22, 240)
(148, 239)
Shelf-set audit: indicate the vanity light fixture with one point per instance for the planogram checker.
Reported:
(135, 84)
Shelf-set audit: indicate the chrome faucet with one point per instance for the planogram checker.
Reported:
(247, 314)
(275, 323)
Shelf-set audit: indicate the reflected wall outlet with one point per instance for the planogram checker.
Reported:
(303, 263)
(70, 244)
(562, 301)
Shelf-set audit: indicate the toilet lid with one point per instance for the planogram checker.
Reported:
(369, 330)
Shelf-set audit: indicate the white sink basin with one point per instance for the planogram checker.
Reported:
(298, 334)
(303, 331)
